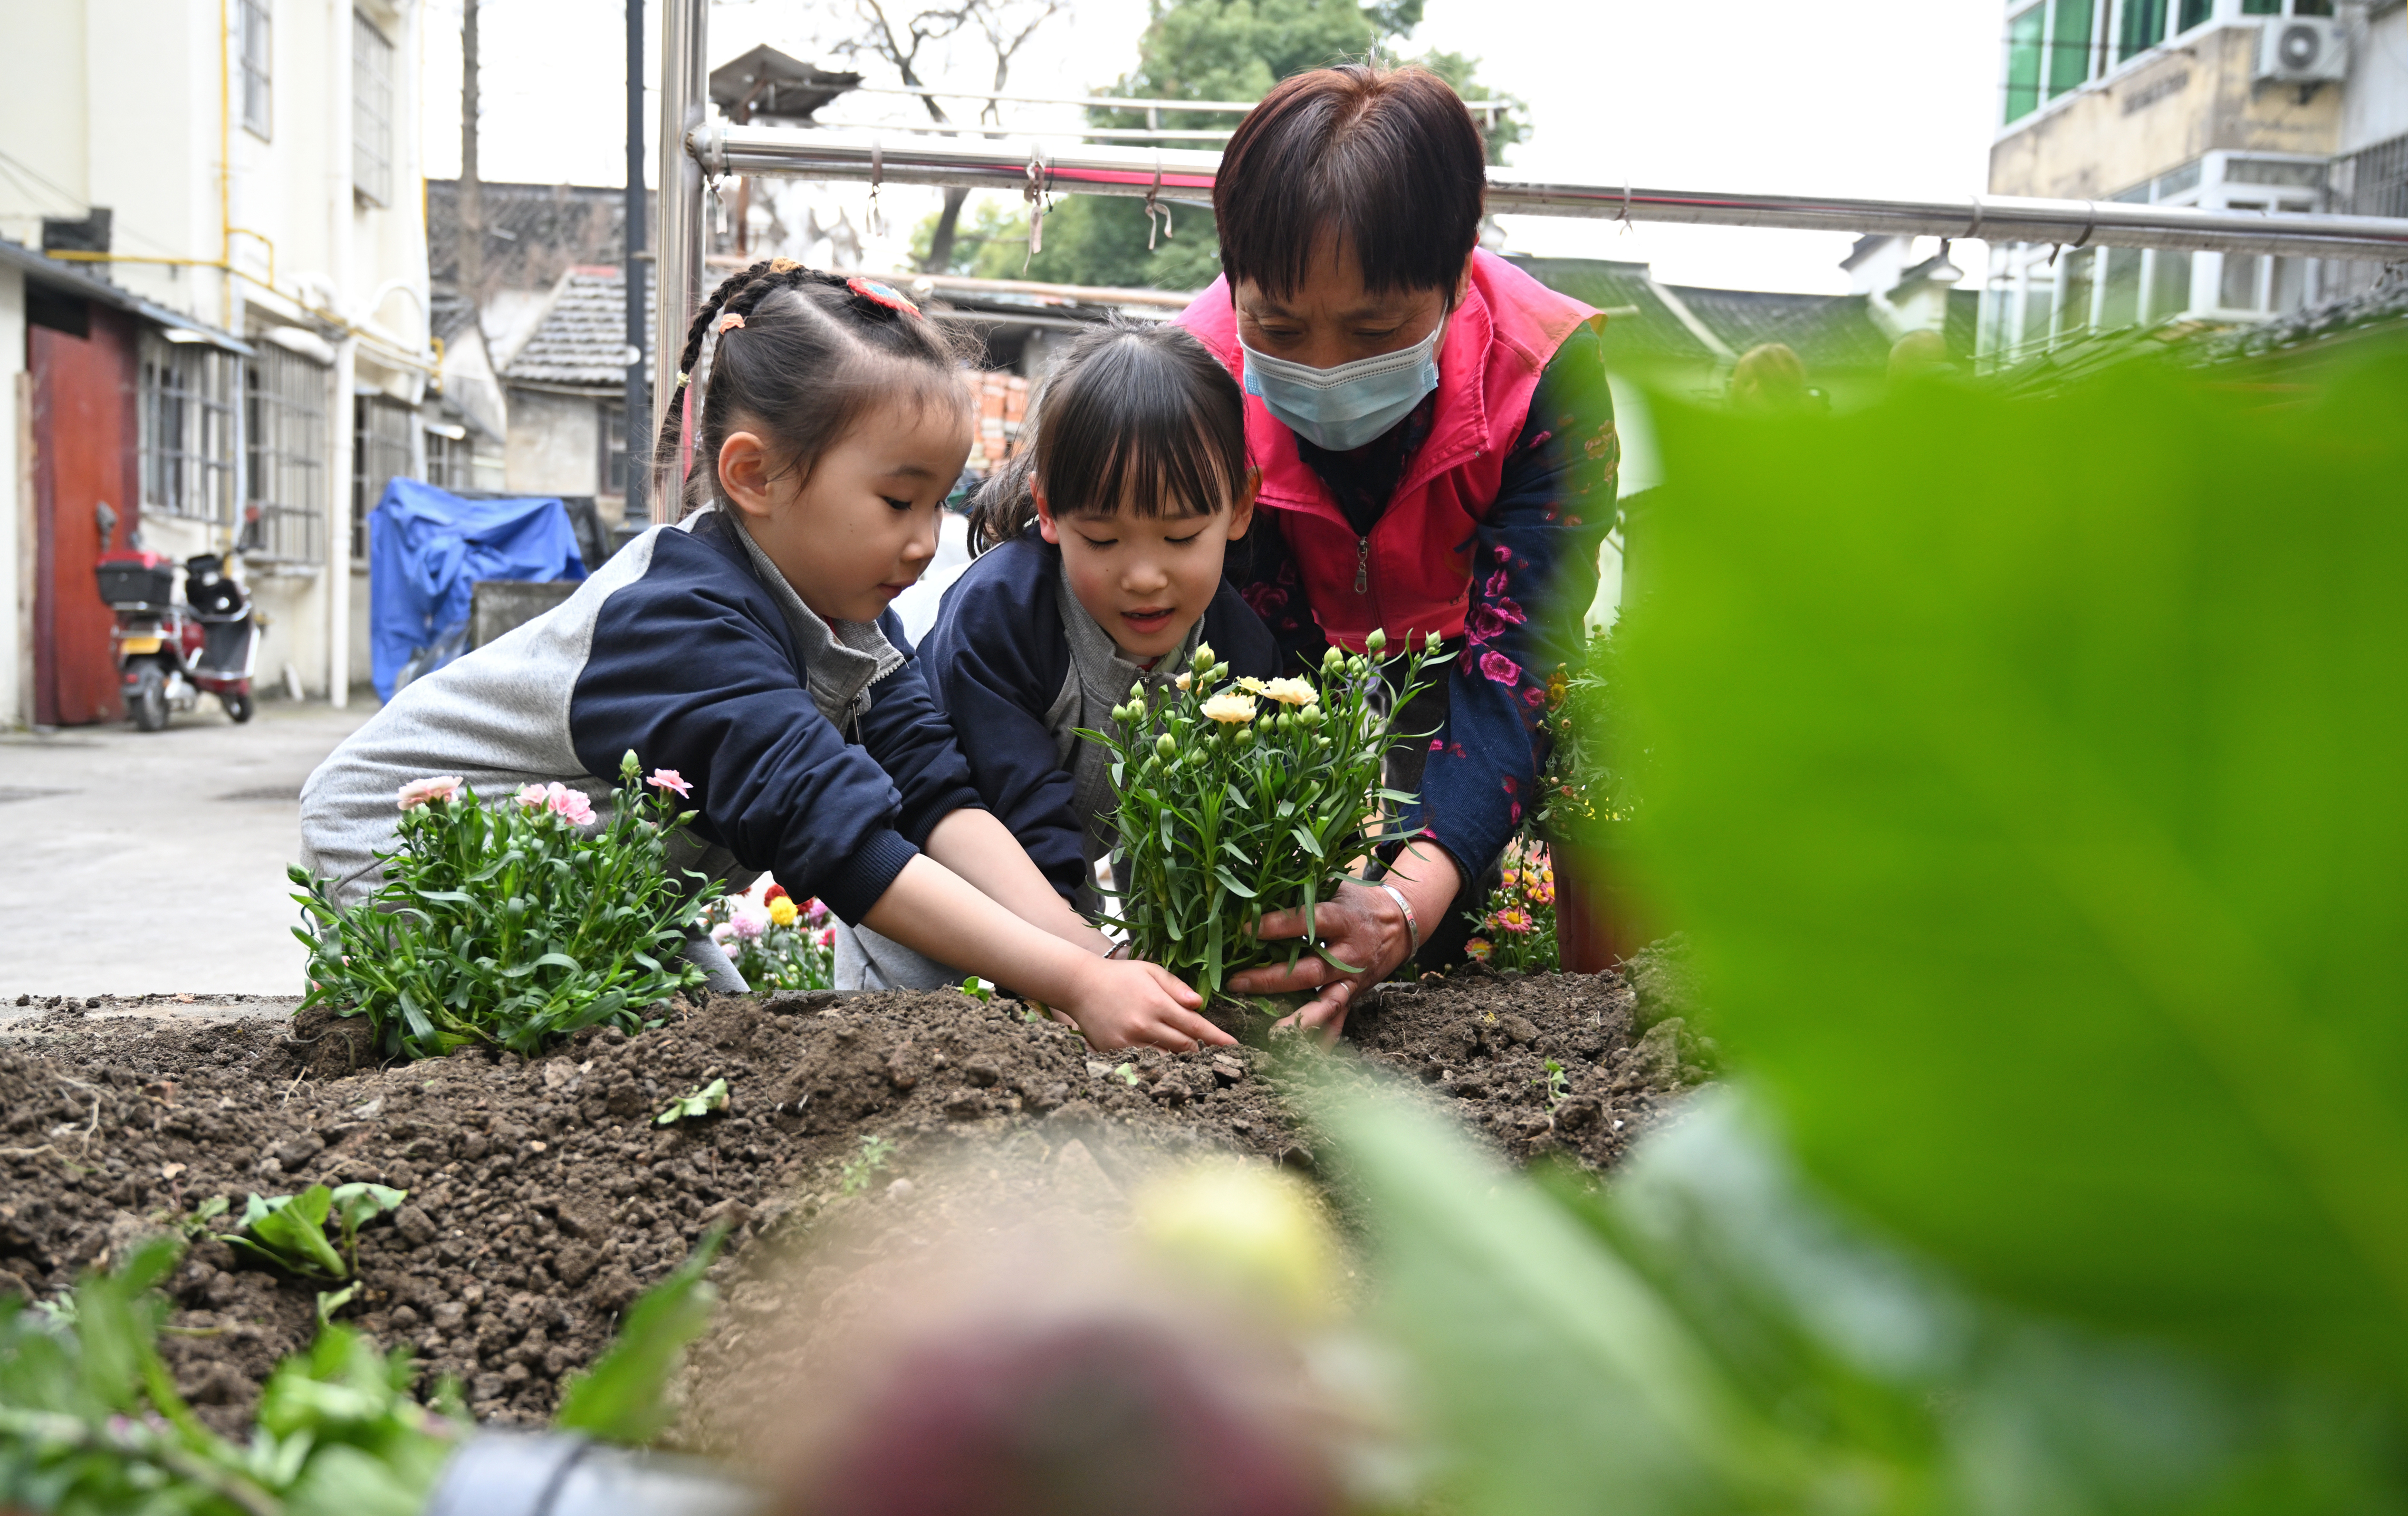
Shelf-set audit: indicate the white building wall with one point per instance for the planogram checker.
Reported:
(2374, 107)
(125, 103)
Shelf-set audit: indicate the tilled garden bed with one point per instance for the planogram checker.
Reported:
(543, 1197)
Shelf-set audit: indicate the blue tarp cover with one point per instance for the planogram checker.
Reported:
(427, 546)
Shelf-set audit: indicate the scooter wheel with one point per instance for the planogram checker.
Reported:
(238, 707)
(148, 699)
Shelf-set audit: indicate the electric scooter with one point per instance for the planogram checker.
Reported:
(171, 653)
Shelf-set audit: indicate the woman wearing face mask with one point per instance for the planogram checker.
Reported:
(1438, 457)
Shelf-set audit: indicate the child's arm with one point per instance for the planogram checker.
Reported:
(1117, 1004)
(976, 846)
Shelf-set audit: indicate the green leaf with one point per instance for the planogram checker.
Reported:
(290, 1232)
(2040, 836)
(622, 1398)
(702, 1102)
(1229, 881)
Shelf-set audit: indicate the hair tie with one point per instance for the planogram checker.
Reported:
(882, 294)
(729, 322)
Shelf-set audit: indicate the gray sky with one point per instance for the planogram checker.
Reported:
(1871, 97)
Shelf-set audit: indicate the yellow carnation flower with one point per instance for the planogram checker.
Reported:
(783, 911)
(1230, 707)
(1184, 680)
(1291, 691)
(1252, 686)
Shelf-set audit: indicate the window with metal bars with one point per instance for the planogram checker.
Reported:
(613, 470)
(187, 397)
(380, 428)
(2374, 181)
(284, 432)
(371, 111)
(254, 53)
(449, 461)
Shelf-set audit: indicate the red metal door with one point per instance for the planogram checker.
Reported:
(84, 453)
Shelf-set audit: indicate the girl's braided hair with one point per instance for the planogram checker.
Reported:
(800, 355)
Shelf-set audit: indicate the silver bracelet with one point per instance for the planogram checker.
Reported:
(1412, 927)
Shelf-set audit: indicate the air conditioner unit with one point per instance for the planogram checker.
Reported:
(2303, 49)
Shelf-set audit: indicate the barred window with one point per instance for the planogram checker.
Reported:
(450, 463)
(254, 55)
(380, 428)
(187, 417)
(371, 111)
(613, 462)
(284, 427)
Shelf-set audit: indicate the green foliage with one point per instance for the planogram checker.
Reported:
(1515, 924)
(2033, 781)
(1712, 1336)
(1592, 776)
(624, 1396)
(90, 1421)
(1194, 49)
(864, 1166)
(1237, 799)
(289, 1230)
(509, 925)
(695, 1104)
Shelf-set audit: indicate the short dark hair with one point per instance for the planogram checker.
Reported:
(1132, 413)
(1385, 162)
(807, 355)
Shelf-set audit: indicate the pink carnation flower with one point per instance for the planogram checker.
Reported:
(531, 797)
(439, 787)
(746, 928)
(669, 779)
(571, 806)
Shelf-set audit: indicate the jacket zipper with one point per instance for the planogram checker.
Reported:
(1362, 566)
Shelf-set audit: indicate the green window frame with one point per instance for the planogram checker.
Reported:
(2144, 27)
(2195, 13)
(2070, 46)
(2025, 31)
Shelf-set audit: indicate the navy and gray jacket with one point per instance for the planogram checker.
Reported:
(815, 751)
(1001, 664)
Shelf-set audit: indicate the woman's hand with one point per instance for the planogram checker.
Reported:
(1362, 926)
(1120, 1004)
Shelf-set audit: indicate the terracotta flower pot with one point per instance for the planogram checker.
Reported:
(1599, 918)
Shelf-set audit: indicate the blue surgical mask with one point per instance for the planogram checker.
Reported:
(1344, 407)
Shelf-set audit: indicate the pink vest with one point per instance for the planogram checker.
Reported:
(1413, 573)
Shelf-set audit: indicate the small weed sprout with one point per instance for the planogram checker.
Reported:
(695, 1104)
(1557, 1083)
(875, 1152)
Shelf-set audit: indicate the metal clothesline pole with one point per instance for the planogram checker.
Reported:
(693, 146)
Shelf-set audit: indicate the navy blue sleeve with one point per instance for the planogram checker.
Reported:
(692, 669)
(1534, 574)
(909, 736)
(1238, 638)
(995, 660)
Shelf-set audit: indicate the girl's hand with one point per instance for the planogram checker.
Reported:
(1118, 1004)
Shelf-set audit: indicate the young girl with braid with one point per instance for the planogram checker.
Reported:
(1099, 563)
(747, 645)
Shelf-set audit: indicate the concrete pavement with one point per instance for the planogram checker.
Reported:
(140, 864)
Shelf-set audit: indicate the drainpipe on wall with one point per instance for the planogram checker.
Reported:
(344, 276)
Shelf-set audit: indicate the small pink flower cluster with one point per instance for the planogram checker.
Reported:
(571, 806)
(439, 787)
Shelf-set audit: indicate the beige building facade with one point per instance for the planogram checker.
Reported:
(2225, 105)
(246, 172)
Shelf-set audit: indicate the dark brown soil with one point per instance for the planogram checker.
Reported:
(543, 1197)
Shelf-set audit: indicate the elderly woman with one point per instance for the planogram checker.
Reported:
(1437, 455)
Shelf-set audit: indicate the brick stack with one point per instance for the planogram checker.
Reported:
(1002, 406)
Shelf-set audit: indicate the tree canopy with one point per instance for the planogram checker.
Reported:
(1194, 49)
